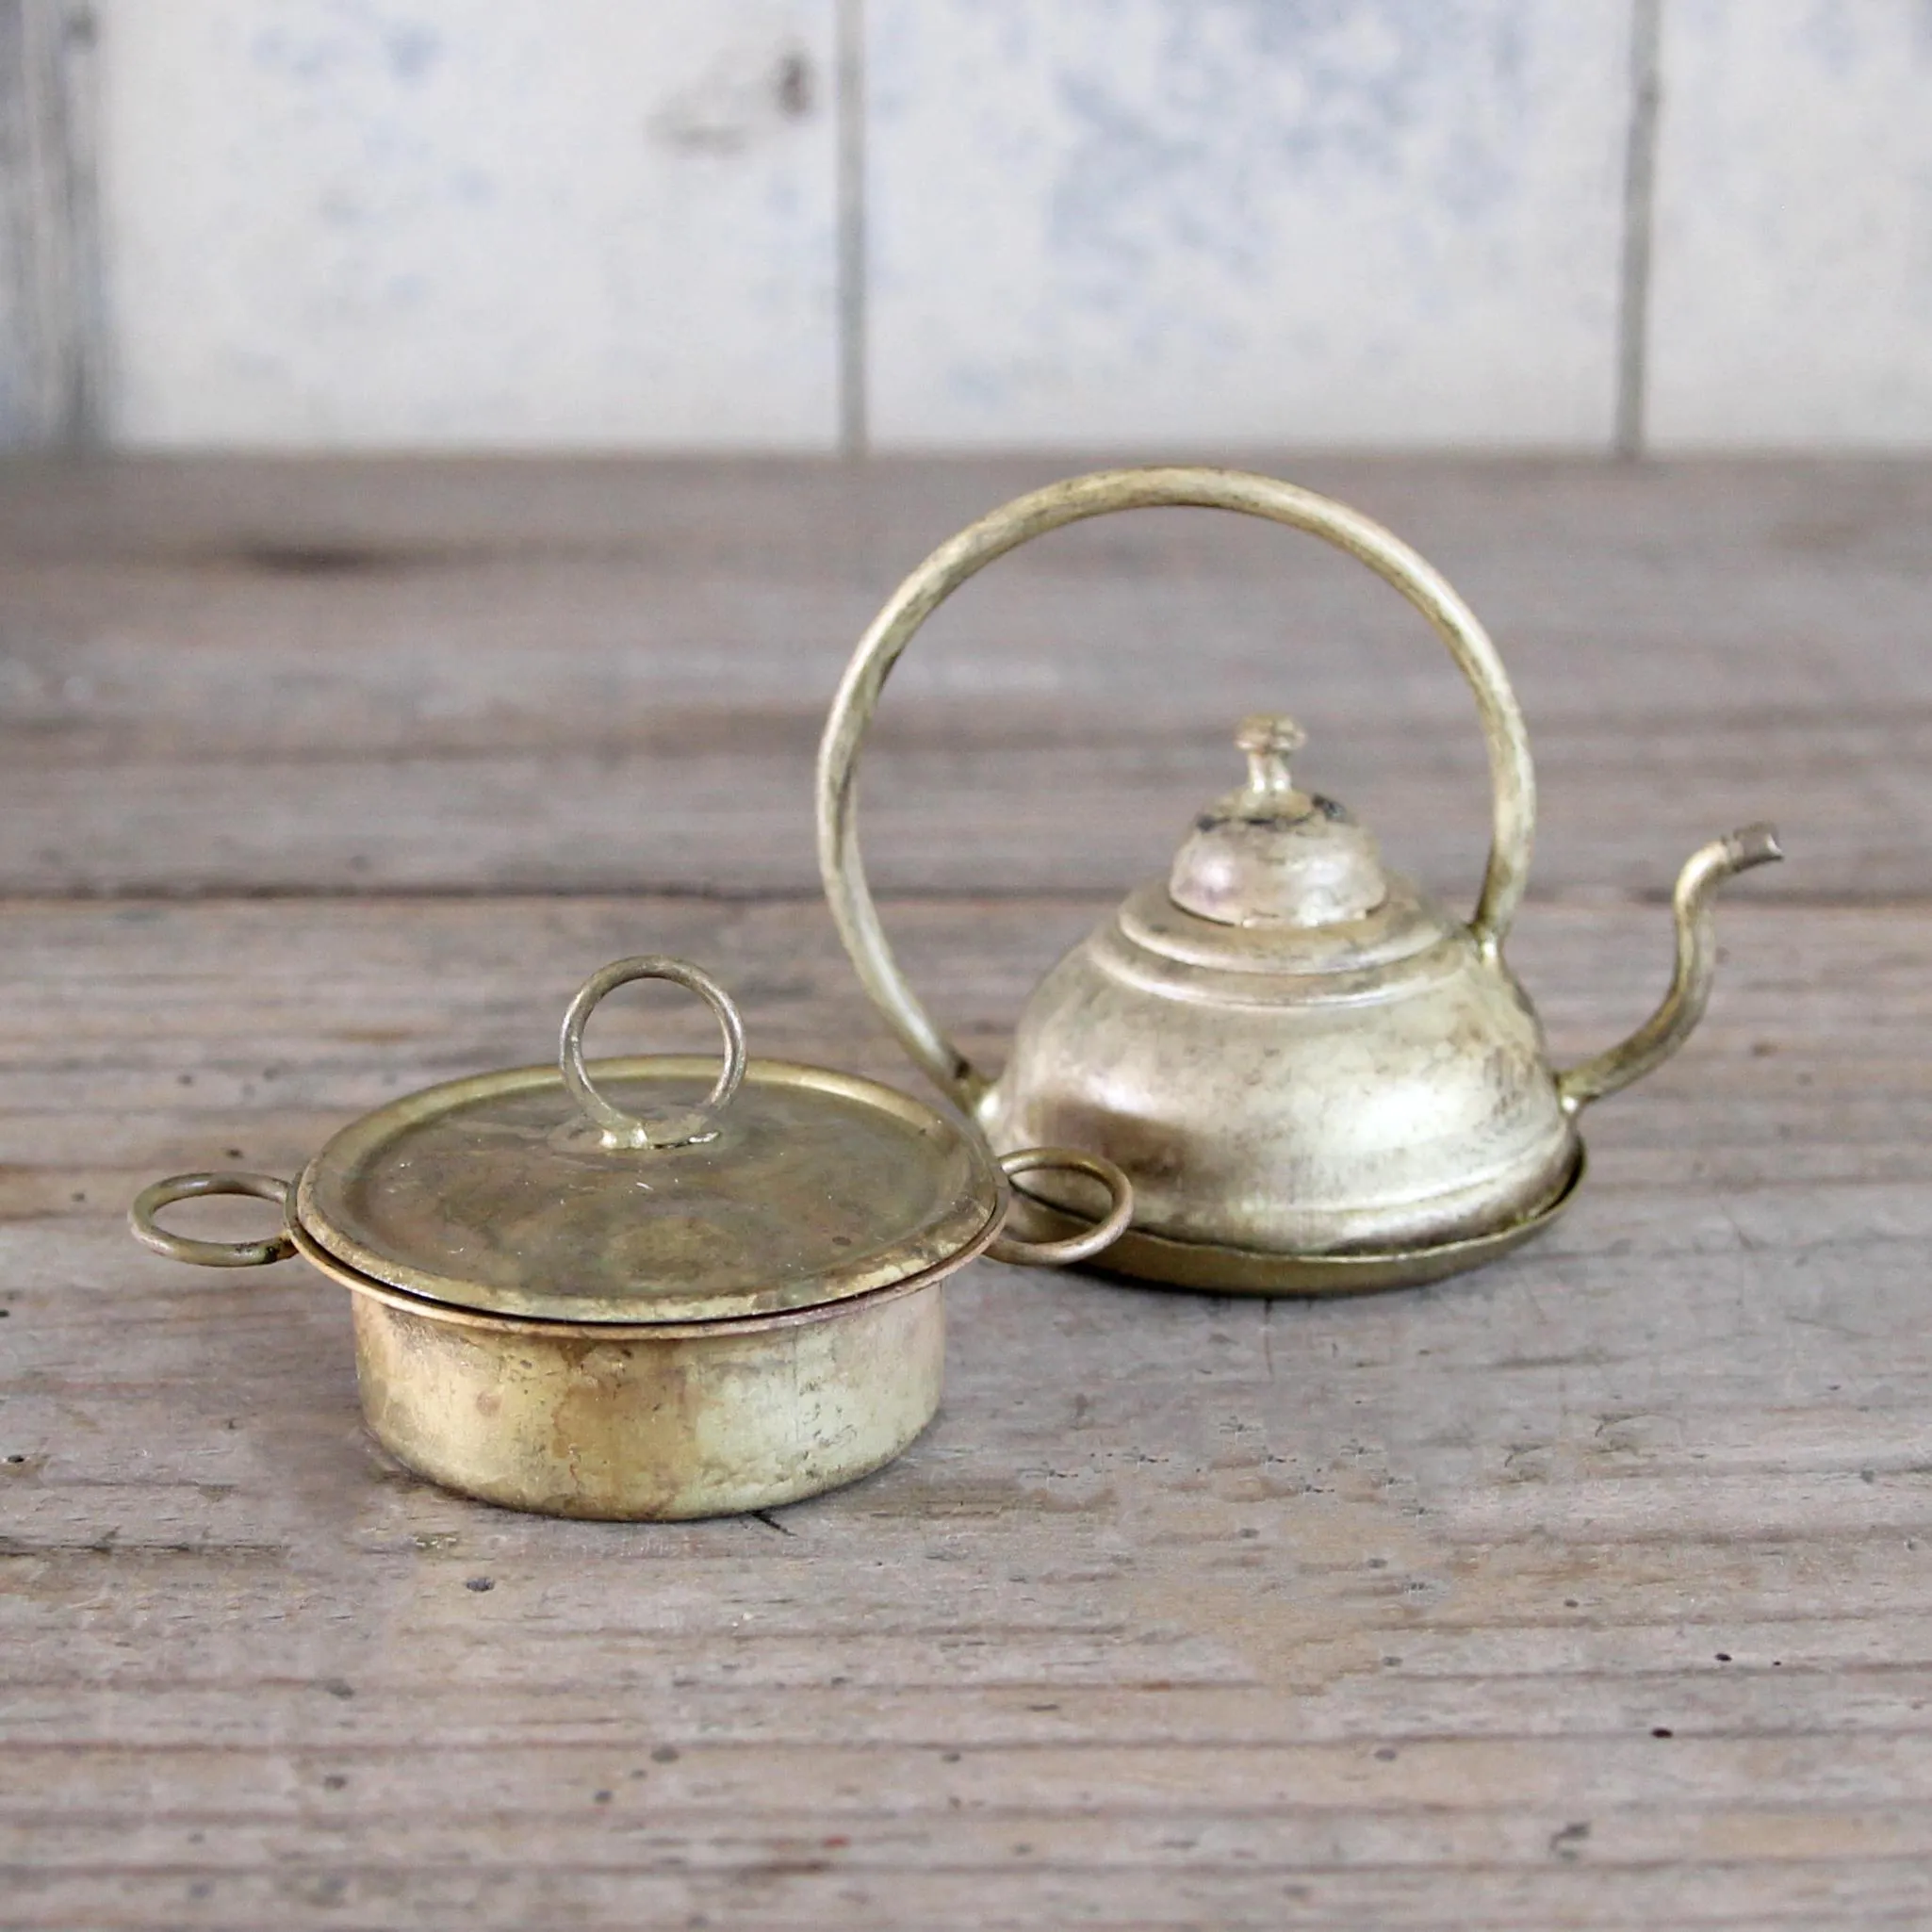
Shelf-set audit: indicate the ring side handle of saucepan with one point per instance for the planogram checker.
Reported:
(620, 1129)
(1089, 1243)
(617, 1128)
(142, 1216)
(151, 1201)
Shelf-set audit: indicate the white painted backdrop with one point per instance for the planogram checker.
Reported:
(1110, 224)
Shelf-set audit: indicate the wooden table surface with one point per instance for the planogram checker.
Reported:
(1594, 1589)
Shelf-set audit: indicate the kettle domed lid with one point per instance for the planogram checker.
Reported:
(1269, 854)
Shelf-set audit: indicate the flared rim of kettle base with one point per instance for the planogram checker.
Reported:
(1154, 1260)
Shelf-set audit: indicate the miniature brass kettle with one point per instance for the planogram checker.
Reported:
(1316, 1078)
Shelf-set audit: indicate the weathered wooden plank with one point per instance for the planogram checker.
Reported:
(1410, 1842)
(1477, 1773)
(1588, 1590)
(388, 1708)
(799, 1881)
(609, 677)
(1185, 1611)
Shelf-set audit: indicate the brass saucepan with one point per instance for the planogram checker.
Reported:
(646, 1292)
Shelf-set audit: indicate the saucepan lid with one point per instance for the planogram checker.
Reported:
(665, 1188)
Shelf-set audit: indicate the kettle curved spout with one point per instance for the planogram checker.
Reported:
(1683, 1006)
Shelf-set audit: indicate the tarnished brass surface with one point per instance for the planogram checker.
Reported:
(647, 1423)
(152, 1200)
(843, 868)
(1689, 992)
(488, 1193)
(616, 1127)
(1270, 854)
(1377, 1109)
(1073, 1243)
(1314, 1077)
(1156, 1260)
(609, 1292)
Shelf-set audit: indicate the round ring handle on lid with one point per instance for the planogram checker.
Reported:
(150, 1201)
(619, 1129)
(1102, 1233)
(1511, 777)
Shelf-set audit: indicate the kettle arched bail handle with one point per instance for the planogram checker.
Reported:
(1512, 780)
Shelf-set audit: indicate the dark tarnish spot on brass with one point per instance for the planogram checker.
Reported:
(1331, 808)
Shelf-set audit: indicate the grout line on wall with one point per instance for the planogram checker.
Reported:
(49, 202)
(1640, 204)
(86, 419)
(853, 428)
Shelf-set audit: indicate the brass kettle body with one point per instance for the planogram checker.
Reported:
(1316, 1078)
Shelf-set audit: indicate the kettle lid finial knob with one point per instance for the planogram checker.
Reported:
(1267, 853)
(1270, 739)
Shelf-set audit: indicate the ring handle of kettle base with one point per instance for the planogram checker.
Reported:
(1512, 777)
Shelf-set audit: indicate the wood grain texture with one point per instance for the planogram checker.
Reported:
(1793, 277)
(1587, 1591)
(565, 223)
(465, 676)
